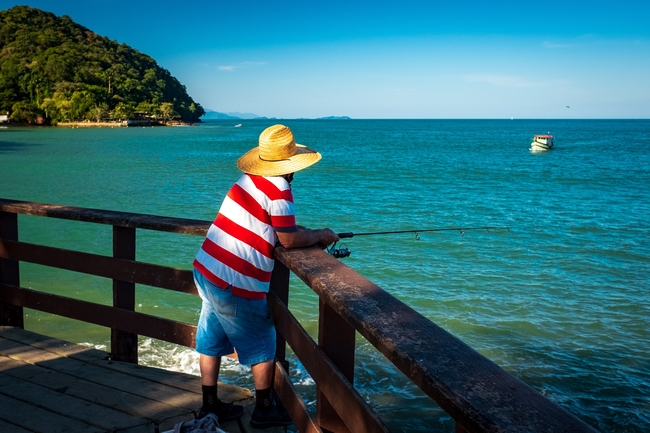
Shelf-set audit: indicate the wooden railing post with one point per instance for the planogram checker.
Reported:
(336, 338)
(124, 345)
(280, 286)
(10, 315)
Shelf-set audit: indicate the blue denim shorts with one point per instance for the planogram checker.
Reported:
(230, 322)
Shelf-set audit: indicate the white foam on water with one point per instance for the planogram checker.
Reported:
(160, 354)
(156, 353)
(101, 347)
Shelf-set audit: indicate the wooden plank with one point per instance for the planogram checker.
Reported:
(122, 219)
(128, 403)
(181, 382)
(117, 380)
(228, 393)
(48, 343)
(241, 425)
(5, 427)
(472, 389)
(39, 420)
(244, 424)
(91, 414)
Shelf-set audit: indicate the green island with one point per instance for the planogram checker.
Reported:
(55, 71)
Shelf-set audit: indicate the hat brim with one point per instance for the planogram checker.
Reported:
(251, 162)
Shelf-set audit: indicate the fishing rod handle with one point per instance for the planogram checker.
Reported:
(346, 235)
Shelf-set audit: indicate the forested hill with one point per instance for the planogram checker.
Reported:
(52, 67)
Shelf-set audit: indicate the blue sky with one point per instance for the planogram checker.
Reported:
(381, 59)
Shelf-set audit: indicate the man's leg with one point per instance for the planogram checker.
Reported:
(212, 340)
(209, 369)
(209, 380)
(263, 378)
(263, 374)
(209, 366)
(267, 413)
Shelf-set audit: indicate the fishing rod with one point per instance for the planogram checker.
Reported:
(345, 252)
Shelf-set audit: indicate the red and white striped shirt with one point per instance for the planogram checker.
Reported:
(238, 249)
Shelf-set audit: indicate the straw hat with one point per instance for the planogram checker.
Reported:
(277, 154)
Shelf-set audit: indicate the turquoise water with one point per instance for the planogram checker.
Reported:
(560, 300)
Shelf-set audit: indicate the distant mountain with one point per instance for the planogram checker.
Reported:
(215, 115)
(245, 115)
(209, 114)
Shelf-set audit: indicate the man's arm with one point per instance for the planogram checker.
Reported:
(307, 237)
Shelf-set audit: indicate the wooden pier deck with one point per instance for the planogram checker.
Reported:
(49, 385)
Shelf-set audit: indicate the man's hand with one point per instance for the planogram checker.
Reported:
(306, 238)
(328, 237)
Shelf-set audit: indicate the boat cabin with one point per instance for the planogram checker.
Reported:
(546, 139)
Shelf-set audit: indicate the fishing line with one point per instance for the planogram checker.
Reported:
(343, 251)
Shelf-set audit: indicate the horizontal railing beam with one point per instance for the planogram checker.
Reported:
(179, 280)
(114, 218)
(103, 315)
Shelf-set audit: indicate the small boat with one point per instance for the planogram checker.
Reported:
(238, 125)
(541, 143)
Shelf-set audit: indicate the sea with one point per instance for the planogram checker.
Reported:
(557, 295)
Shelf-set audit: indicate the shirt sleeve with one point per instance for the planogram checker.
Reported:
(283, 214)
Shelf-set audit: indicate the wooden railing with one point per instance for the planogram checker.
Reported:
(479, 395)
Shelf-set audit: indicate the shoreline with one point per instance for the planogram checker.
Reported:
(91, 124)
(120, 124)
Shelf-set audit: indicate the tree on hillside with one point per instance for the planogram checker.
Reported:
(63, 71)
(167, 111)
(24, 112)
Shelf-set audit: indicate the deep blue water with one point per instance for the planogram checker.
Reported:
(559, 301)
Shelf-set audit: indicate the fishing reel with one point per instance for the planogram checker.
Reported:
(340, 252)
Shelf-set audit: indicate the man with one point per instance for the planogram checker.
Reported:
(232, 271)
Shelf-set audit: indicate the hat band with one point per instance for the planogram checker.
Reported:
(274, 160)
